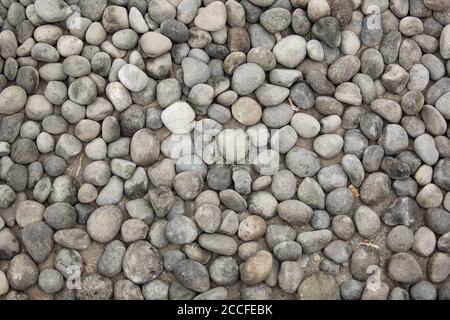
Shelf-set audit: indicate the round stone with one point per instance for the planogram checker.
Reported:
(403, 268)
(319, 286)
(193, 275)
(95, 287)
(400, 239)
(212, 17)
(252, 228)
(142, 262)
(208, 218)
(12, 100)
(302, 162)
(22, 272)
(257, 268)
(178, 118)
(133, 78)
(144, 148)
(290, 51)
(306, 125)
(181, 230)
(246, 111)
(104, 223)
(247, 78)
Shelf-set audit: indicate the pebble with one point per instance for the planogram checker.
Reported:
(230, 143)
(155, 290)
(275, 19)
(294, 212)
(424, 242)
(290, 51)
(288, 251)
(363, 257)
(10, 244)
(430, 196)
(133, 230)
(188, 184)
(144, 153)
(271, 95)
(367, 222)
(262, 204)
(443, 292)
(327, 30)
(343, 69)
(283, 185)
(338, 251)
(252, 228)
(398, 294)
(423, 290)
(257, 268)
(320, 220)
(110, 262)
(443, 44)
(351, 289)
(95, 287)
(4, 285)
(219, 244)
(133, 78)
(328, 145)
(302, 162)
(212, 17)
(311, 193)
(142, 262)
(192, 275)
(181, 230)
(12, 100)
(341, 206)
(438, 267)
(22, 272)
(247, 78)
(348, 92)
(290, 276)
(246, 111)
(147, 43)
(37, 239)
(403, 268)
(104, 223)
(306, 126)
(77, 239)
(313, 241)
(224, 271)
(257, 292)
(400, 239)
(208, 217)
(50, 281)
(402, 211)
(279, 233)
(319, 286)
(7, 196)
(60, 215)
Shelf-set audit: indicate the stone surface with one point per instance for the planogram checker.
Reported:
(254, 149)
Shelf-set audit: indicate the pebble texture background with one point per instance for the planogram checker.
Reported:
(126, 129)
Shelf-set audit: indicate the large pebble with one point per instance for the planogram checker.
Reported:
(12, 100)
(104, 223)
(142, 262)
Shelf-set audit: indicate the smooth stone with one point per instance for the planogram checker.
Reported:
(247, 78)
(403, 268)
(212, 17)
(142, 262)
(319, 286)
(104, 223)
(290, 51)
(12, 100)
